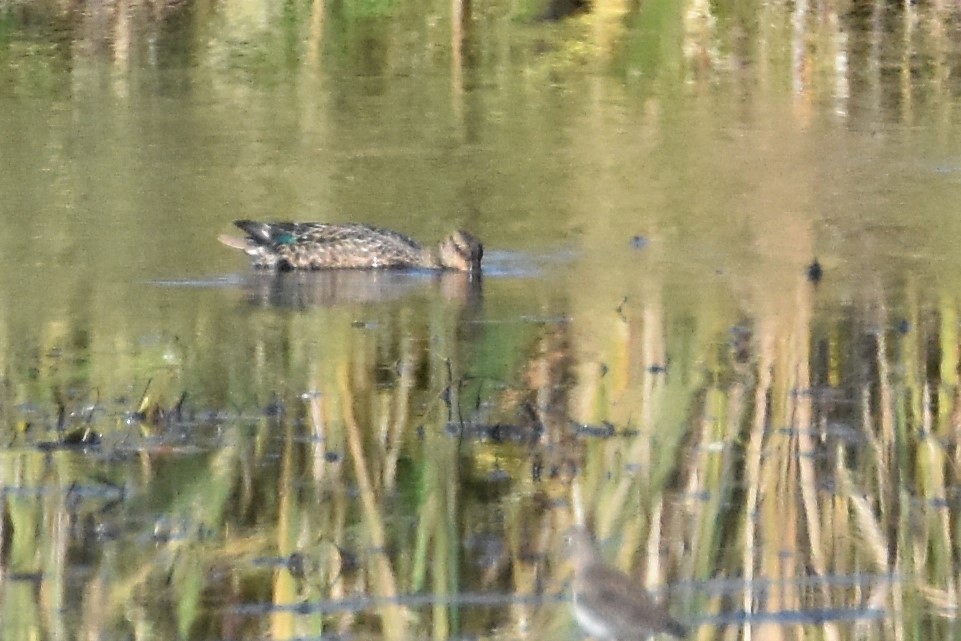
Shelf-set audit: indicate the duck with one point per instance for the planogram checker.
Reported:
(286, 246)
(608, 604)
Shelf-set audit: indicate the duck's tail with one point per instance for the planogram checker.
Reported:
(258, 235)
(233, 242)
(258, 232)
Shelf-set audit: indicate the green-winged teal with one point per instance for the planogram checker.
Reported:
(287, 246)
(609, 605)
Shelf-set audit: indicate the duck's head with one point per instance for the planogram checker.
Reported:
(460, 251)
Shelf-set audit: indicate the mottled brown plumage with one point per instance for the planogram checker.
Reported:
(286, 246)
(608, 604)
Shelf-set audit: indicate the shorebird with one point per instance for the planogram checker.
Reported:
(608, 604)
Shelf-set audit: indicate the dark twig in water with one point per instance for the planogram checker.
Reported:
(178, 408)
(143, 395)
(445, 396)
(61, 410)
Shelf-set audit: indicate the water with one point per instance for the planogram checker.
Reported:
(193, 450)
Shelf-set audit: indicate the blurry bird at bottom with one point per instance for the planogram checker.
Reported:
(608, 604)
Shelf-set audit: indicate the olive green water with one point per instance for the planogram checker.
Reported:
(189, 450)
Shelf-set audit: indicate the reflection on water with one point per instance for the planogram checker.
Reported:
(301, 290)
(189, 455)
(400, 491)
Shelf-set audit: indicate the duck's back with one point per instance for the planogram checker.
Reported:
(325, 246)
